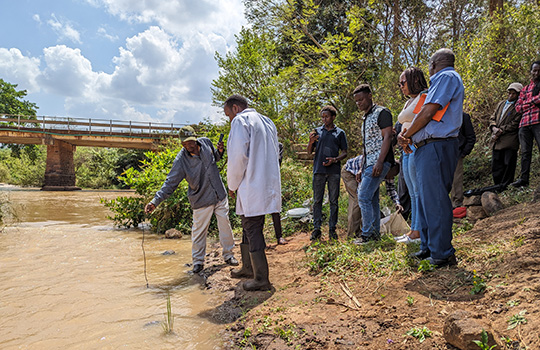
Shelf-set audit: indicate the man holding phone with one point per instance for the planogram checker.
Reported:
(196, 163)
(330, 145)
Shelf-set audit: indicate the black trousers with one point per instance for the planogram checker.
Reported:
(276, 218)
(252, 232)
(404, 197)
(527, 135)
(503, 166)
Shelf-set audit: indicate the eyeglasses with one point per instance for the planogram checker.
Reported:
(402, 83)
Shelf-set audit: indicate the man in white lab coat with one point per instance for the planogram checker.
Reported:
(253, 175)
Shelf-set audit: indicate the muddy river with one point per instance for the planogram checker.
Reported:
(70, 280)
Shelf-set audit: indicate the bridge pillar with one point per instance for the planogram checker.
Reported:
(59, 169)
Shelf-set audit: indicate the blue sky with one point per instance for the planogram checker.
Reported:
(149, 60)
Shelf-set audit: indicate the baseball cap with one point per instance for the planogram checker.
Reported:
(515, 86)
(187, 133)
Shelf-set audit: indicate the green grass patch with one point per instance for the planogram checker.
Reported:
(378, 259)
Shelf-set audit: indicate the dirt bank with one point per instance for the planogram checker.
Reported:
(316, 311)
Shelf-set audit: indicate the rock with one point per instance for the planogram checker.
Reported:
(420, 320)
(536, 195)
(472, 200)
(173, 234)
(460, 329)
(491, 203)
(168, 252)
(476, 213)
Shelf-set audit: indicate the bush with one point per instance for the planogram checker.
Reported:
(28, 169)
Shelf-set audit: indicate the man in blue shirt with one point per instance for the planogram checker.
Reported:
(330, 145)
(434, 132)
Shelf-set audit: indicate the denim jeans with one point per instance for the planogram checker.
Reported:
(368, 200)
(408, 167)
(527, 134)
(319, 181)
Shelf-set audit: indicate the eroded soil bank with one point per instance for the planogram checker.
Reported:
(316, 311)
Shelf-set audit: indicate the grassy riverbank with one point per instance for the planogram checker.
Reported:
(341, 296)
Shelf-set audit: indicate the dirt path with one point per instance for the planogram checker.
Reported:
(306, 311)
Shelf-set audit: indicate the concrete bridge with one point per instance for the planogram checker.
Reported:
(63, 135)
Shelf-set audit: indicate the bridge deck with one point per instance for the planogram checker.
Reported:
(85, 132)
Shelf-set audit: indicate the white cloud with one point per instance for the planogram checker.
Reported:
(36, 18)
(67, 71)
(181, 18)
(18, 69)
(64, 30)
(103, 33)
(162, 74)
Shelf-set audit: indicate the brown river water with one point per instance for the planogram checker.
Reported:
(70, 280)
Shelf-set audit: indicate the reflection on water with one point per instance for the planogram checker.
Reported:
(69, 280)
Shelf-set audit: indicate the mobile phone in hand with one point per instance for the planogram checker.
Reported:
(220, 138)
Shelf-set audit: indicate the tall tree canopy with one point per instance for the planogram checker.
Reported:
(298, 55)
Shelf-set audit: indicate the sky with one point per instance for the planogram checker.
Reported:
(139, 60)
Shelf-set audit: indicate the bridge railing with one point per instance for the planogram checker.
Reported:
(100, 127)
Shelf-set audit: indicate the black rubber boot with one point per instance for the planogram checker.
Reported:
(260, 268)
(246, 271)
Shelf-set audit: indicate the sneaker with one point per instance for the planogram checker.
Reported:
(402, 237)
(316, 234)
(197, 268)
(231, 261)
(408, 240)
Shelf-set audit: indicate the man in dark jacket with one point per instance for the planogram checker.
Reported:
(504, 126)
(467, 139)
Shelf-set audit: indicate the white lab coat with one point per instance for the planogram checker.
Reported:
(253, 165)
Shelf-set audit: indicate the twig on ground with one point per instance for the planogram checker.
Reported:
(347, 291)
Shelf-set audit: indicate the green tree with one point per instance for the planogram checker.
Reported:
(12, 103)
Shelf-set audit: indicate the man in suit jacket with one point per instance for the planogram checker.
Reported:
(504, 125)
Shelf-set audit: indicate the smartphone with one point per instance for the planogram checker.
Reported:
(220, 138)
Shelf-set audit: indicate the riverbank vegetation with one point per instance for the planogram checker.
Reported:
(95, 168)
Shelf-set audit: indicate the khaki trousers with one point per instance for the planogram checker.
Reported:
(199, 231)
(354, 215)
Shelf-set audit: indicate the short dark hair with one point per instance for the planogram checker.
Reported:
(330, 109)
(444, 56)
(362, 88)
(535, 62)
(416, 82)
(238, 100)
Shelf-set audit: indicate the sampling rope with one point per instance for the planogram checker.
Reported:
(144, 256)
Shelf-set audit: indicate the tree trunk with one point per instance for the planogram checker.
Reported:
(396, 35)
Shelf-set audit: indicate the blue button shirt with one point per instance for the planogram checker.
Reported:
(446, 87)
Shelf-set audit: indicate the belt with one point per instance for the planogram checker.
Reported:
(433, 139)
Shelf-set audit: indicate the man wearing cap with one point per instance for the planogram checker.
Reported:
(504, 126)
(528, 104)
(196, 162)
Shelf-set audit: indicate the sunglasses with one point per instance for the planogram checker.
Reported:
(402, 83)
